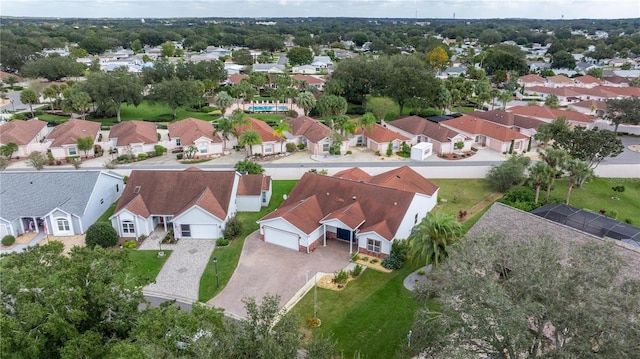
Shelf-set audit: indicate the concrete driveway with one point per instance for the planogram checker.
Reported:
(269, 269)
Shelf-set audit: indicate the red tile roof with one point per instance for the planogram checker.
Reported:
(549, 113)
(508, 119)
(599, 105)
(355, 173)
(351, 215)
(191, 129)
(474, 125)
(311, 80)
(174, 192)
(381, 134)
(617, 80)
(559, 91)
(532, 78)
(264, 130)
(5, 75)
(129, 132)
(419, 126)
(623, 91)
(68, 133)
(588, 79)
(252, 185)
(560, 79)
(20, 132)
(236, 78)
(309, 128)
(405, 179)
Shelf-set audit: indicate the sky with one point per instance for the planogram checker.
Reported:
(461, 9)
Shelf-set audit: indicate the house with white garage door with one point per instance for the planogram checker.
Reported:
(60, 203)
(368, 212)
(193, 203)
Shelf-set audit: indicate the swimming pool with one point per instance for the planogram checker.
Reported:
(267, 108)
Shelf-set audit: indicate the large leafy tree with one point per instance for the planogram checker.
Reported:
(249, 167)
(367, 121)
(563, 60)
(29, 97)
(591, 146)
(242, 57)
(381, 106)
(78, 101)
(331, 105)
(437, 59)
(518, 298)
(508, 174)
(505, 58)
(550, 131)
(423, 85)
(432, 238)
(623, 111)
(8, 149)
(114, 88)
(52, 68)
(85, 144)
(306, 101)
(300, 56)
(175, 93)
(356, 78)
(37, 160)
(71, 306)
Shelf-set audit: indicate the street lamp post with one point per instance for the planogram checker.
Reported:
(215, 263)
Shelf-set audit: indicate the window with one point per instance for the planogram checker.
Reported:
(264, 197)
(268, 149)
(185, 230)
(127, 228)
(63, 225)
(204, 148)
(517, 145)
(395, 145)
(373, 245)
(325, 147)
(72, 151)
(117, 188)
(415, 219)
(178, 142)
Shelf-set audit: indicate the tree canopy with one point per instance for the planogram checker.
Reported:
(300, 56)
(623, 111)
(519, 298)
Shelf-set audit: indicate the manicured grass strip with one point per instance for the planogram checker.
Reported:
(229, 256)
(460, 194)
(596, 195)
(108, 213)
(145, 265)
(376, 305)
(267, 117)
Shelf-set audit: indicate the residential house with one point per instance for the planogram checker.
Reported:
(232, 68)
(548, 114)
(379, 138)
(616, 81)
(314, 135)
(589, 107)
(587, 81)
(217, 51)
(60, 203)
(195, 132)
(269, 68)
(310, 81)
(133, 137)
(233, 79)
(322, 62)
(28, 135)
(369, 213)
(270, 144)
(525, 125)
(63, 140)
(531, 80)
(193, 203)
(306, 70)
(565, 95)
(419, 130)
(485, 133)
(254, 192)
(559, 81)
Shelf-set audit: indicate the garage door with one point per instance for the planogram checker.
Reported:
(204, 231)
(281, 238)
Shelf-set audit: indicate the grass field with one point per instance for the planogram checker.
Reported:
(463, 194)
(596, 195)
(372, 315)
(228, 256)
(146, 264)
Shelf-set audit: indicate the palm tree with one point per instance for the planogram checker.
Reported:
(577, 172)
(225, 128)
(505, 97)
(432, 238)
(50, 93)
(223, 101)
(540, 174)
(306, 101)
(279, 130)
(555, 158)
(239, 119)
(250, 138)
(494, 93)
(368, 120)
(29, 97)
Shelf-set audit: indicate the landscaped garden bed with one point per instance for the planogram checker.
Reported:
(456, 155)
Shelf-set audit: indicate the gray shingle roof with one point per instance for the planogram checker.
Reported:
(38, 193)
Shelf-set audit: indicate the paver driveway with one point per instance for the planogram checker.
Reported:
(179, 277)
(269, 269)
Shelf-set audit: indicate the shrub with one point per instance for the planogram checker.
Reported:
(233, 228)
(356, 270)
(628, 221)
(389, 149)
(292, 113)
(349, 152)
(421, 272)
(142, 156)
(8, 240)
(101, 234)
(291, 147)
(222, 242)
(125, 179)
(301, 146)
(618, 188)
(366, 259)
(612, 214)
(395, 259)
(179, 156)
(159, 150)
(130, 244)
(374, 261)
(340, 277)
(522, 198)
(355, 257)
(377, 153)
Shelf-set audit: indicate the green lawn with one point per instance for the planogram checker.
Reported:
(462, 194)
(372, 315)
(596, 195)
(267, 117)
(108, 213)
(228, 256)
(146, 264)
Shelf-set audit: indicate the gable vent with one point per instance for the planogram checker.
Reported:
(136, 189)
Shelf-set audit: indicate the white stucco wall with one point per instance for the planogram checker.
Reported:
(420, 205)
(249, 203)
